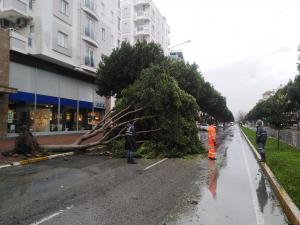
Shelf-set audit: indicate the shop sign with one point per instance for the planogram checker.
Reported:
(99, 105)
(10, 116)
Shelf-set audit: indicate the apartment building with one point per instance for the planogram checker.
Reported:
(54, 49)
(176, 55)
(141, 20)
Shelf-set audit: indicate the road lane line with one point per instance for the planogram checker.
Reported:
(259, 216)
(52, 216)
(156, 163)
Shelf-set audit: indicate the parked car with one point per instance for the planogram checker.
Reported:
(203, 127)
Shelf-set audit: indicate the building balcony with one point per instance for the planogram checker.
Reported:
(142, 32)
(90, 37)
(142, 16)
(91, 10)
(89, 64)
(142, 2)
(14, 10)
(18, 42)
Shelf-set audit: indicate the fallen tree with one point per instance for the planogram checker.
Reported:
(164, 116)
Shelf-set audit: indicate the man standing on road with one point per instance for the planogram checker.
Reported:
(261, 138)
(211, 141)
(130, 142)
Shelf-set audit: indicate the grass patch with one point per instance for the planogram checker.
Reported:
(284, 163)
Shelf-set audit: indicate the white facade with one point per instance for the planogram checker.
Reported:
(72, 33)
(61, 43)
(141, 20)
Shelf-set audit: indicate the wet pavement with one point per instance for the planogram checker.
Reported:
(236, 191)
(84, 190)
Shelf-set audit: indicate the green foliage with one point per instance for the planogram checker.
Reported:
(284, 163)
(191, 80)
(124, 66)
(175, 111)
(151, 149)
(274, 110)
(117, 148)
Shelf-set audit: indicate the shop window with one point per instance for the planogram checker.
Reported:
(19, 114)
(68, 121)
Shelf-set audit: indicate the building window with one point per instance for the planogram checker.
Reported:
(90, 4)
(64, 7)
(62, 39)
(30, 4)
(30, 37)
(103, 34)
(119, 43)
(89, 29)
(103, 8)
(119, 4)
(119, 23)
(112, 16)
(89, 57)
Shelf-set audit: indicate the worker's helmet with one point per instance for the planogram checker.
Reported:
(259, 123)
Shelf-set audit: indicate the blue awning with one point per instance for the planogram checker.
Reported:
(44, 99)
(22, 97)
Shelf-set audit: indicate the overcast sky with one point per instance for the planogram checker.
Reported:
(243, 47)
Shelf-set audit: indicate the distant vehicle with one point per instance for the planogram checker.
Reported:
(231, 123)
(203, 127)
(220, 125)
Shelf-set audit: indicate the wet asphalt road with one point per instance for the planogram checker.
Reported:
(88, 190)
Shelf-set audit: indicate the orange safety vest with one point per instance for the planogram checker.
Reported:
(211, 142)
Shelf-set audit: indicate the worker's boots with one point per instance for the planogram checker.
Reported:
(262, 157)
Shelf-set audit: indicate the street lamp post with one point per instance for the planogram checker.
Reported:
(179, 44)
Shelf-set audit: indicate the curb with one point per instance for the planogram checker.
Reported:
(38, 159)
(289, 207)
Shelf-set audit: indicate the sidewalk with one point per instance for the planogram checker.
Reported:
(9, 144)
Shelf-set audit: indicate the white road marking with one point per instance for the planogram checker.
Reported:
(5, 166)
(52, 216)
(156, 163)
(259, 216)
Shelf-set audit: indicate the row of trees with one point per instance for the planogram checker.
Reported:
(281, 108)
(125, 65)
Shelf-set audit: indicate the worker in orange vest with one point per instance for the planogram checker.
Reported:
(212, 141)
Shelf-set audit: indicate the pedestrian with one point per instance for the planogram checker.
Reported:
(261, 139)
(130, 142)
(212, 141)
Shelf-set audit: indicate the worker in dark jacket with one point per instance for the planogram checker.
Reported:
(261, 139)
(130, 142)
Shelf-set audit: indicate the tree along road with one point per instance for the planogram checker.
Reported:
(86, 190)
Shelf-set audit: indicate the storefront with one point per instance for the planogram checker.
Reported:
(51, 114)
(49, 102)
